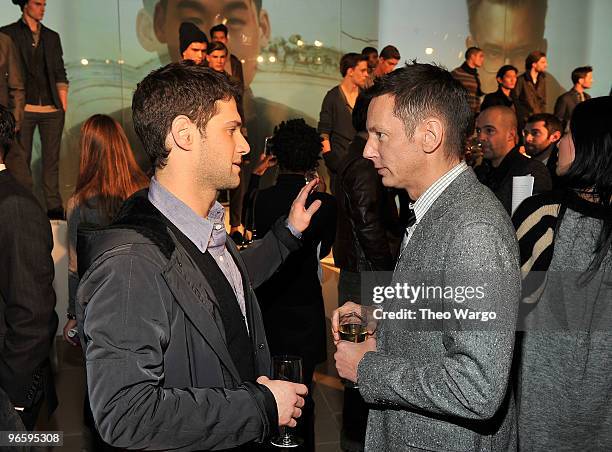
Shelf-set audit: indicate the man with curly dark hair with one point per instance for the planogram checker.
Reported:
(294, 292)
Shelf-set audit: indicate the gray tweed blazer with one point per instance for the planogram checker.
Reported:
(445, 385)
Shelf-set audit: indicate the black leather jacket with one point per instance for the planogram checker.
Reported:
(368, 232)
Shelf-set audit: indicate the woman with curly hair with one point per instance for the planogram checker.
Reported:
(292, 301)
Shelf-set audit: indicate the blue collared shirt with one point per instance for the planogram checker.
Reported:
(207, 234)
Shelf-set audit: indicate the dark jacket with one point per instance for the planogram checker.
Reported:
(565, 104)
(159, 372)
(368, 231)
(530, 97)
(499, 179)
(292, 301)
(237, 72)
(497, 98)
(12, 89)
(27, 300)
(54, 62)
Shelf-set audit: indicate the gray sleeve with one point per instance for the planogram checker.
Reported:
(470, 380)
(126, 327)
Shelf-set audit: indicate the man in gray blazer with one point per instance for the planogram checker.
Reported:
(437, 381)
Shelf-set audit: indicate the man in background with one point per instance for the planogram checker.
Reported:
(506, 81)
(582, 78)
(46, 84)
(496, 130)
(467, 75)
(530, 89)
(372, 55)
(233, 66)
(387, 60)
(28, 321)
(335, 119)
(542, 133)
(193, 43)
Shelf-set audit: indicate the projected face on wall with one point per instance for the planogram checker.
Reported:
(506, 31)
(247, 22)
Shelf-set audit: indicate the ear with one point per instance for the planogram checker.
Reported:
(264, 29)
(555, 137)
(145, 33)
(513, 135)
(159, 19)
(183, 132)
(432, 135)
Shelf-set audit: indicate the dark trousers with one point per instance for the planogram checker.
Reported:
(50, 126)
(354, 409)
(17, 164)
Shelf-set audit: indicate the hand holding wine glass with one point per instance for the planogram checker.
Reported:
(353, 313)
(289, 399)
(288, 368)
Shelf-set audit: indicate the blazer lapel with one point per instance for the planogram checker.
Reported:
(197, 307)
(24, 46)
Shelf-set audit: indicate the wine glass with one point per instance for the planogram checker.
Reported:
(287, 368)
(352, 327)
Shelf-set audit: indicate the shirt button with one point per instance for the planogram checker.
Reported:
(221, 258)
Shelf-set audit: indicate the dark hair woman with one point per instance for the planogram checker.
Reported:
(564, 354)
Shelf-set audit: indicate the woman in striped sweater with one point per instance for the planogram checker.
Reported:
(564, 353)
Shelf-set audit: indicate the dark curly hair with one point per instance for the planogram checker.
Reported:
(296, 146)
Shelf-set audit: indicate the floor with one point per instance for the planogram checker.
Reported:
(70, 383)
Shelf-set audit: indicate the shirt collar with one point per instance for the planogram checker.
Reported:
(2, 166)
(38, 25)
(425, 201)
(197, 229)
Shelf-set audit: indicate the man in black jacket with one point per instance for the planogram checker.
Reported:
(496, 130)
(44, 74)
(506, 81)
(27, 317)
(173, 337)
